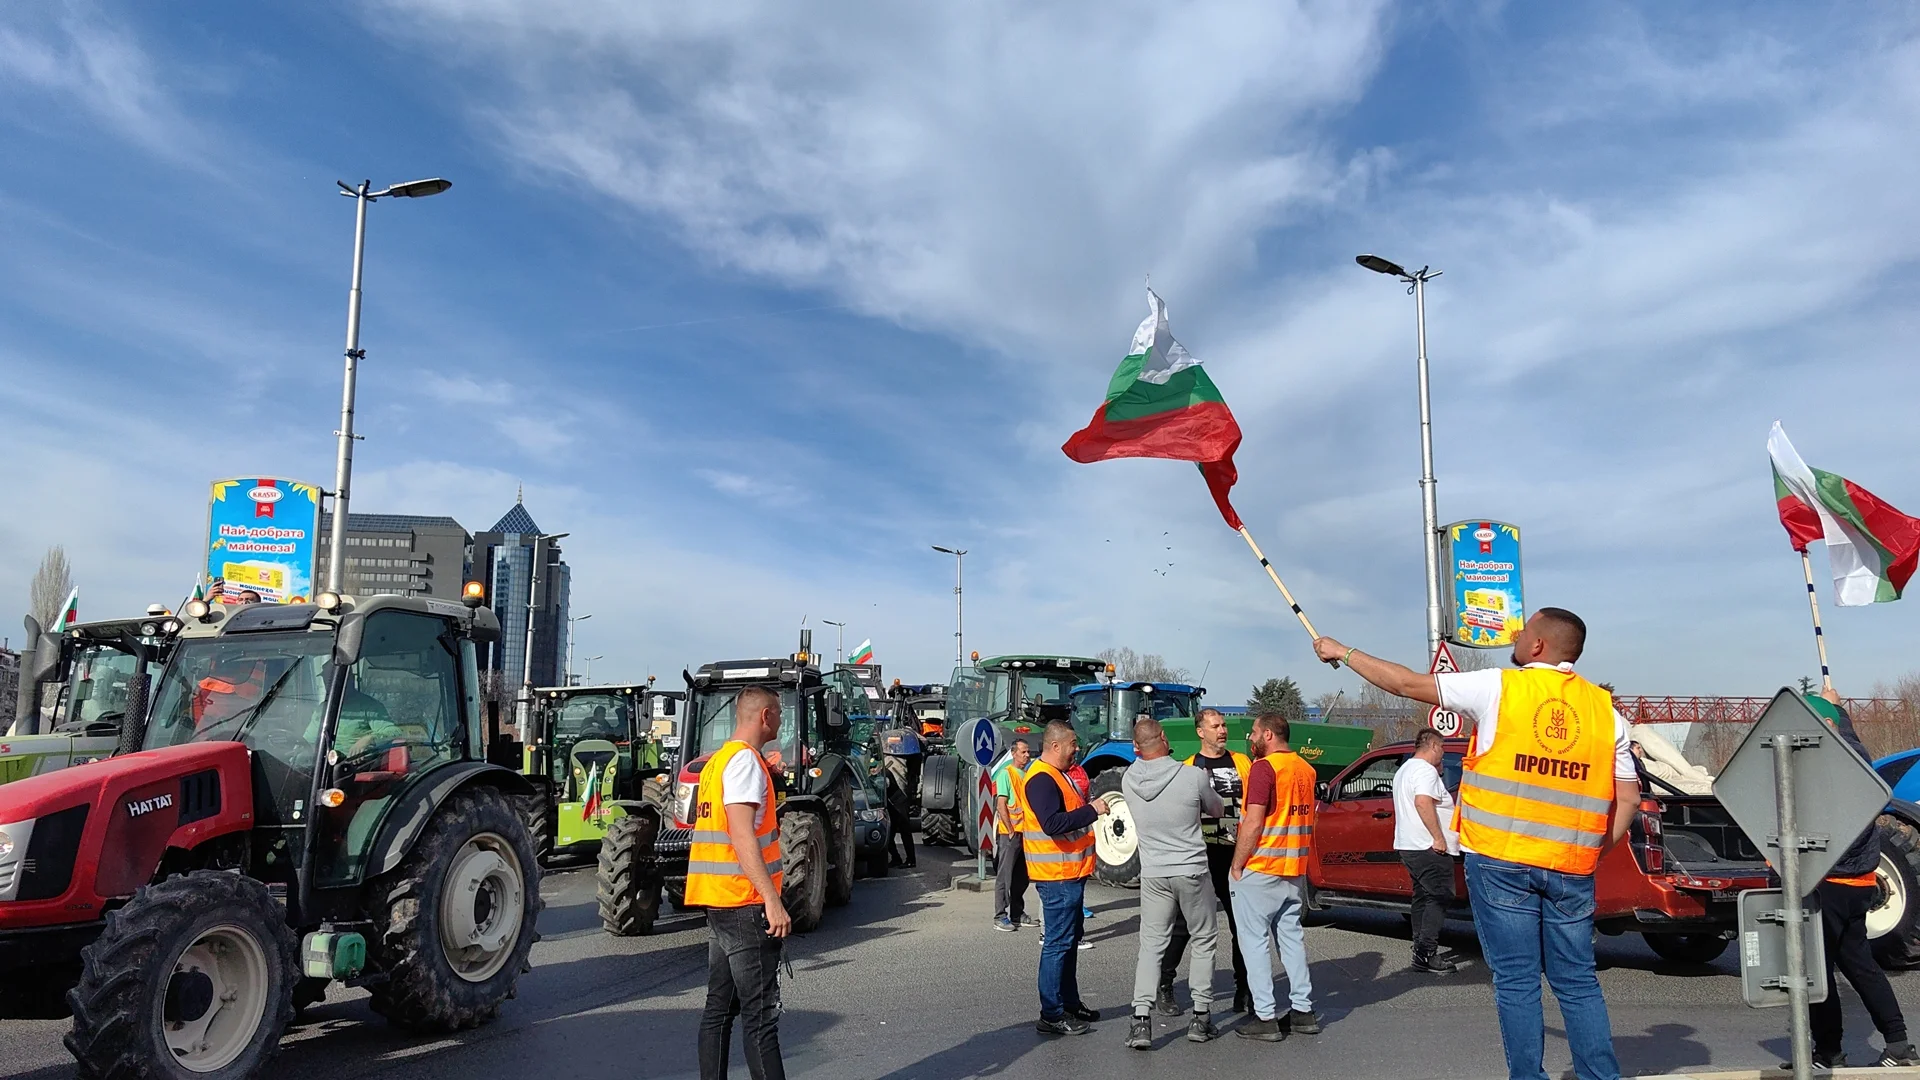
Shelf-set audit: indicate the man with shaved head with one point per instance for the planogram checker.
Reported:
(1167, 801)
(1057, 835)
(1548, 786)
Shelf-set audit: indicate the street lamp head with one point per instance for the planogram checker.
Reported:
(948, 550)
(582, 618)
(420, 189)
(1381, 266)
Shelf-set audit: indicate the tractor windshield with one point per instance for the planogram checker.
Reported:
(267, 690)
(593, 716)
(710, 723)
(102, 676)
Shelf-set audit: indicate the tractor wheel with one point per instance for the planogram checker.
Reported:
(537, 809)
(454, 923)
(628, 889)
(1687, 948)
(1893, 924)
(193, 977)
(1116, 840)
(896, 768)
(803, 856)
(940, 827)
(657, 792)
(840, 853)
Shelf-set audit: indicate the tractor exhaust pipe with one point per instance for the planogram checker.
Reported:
(26, 703)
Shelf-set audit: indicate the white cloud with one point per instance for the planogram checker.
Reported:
(103, 69)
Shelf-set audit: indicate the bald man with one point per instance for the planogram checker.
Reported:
(1057, 835)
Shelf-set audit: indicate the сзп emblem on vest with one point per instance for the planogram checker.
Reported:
(1556, 726)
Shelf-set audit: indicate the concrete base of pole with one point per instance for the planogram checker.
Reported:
(973, 883)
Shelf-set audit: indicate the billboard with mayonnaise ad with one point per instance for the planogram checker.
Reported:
(1484, 563)
(261, 540)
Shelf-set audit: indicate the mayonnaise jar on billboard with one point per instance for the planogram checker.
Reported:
(1484, 563)
(261, 540)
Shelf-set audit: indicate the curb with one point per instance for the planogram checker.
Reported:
(1909, 1072)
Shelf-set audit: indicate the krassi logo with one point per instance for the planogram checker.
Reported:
(264, 495)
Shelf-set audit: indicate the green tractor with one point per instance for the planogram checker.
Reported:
(78, 689)
(815, 775)
(1021, 693)
(591, 752)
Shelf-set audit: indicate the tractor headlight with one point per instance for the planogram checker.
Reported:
(869, 815)
(14, 839)
(6, 844)
(683, 801)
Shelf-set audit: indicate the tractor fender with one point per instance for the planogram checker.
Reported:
(940, 782)
(408, 818)
(1108, 756)
(1904, 810)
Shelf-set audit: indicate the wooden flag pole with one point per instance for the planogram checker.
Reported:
(1813, 605)
(1282, 586)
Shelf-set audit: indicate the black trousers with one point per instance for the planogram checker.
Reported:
(1843, 913)
(1219, 864)
(900, 802)
(1432, 874)
(743, 980)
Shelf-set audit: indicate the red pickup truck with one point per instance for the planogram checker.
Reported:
(1675, 883)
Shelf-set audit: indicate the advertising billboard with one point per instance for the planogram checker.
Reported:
(1484, 563)
(261, 536)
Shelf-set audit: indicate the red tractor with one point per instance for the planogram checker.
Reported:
(311, 802)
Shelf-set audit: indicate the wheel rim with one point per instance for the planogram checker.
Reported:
(1891, 907)
(231, 959)
(481, 907)
(1114, 838)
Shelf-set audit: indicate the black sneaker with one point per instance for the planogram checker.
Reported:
(1200, 1028)
(1140, 1033)
(1164, 1004)
(1303, 1023)
(1434, 963)
(1822, 1061)
(1242, 1001)
(1066, 1025)
(1900, 1053)
(1262, 1030)
(1083, 1013)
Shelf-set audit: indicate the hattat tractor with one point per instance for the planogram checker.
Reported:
(590, 753)
(311, 802)
(644, 856)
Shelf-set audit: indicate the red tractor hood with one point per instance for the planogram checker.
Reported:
(99, 781)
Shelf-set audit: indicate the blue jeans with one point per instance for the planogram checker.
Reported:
(1529, 921)
(1060, 907)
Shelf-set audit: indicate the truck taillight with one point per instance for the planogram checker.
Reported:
(1654, 849)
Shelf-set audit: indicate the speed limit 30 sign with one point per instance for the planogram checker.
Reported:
(1443, 720)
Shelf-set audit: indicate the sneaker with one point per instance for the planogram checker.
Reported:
(1200, 1028)
(1164, 1004)
(1085, 944)
(1083, 1013)
(1086, 913)
(1434, 964)
(1303, 1023)
(1262, 1030)
(1900, 1053)
(1140, 1033)
(1004, 925)
(1066, 1025)
(1821, 1061)
(1028, 922)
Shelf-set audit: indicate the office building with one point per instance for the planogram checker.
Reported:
(400, 555)
(518, 563)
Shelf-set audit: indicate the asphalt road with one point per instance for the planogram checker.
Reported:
(911, 981)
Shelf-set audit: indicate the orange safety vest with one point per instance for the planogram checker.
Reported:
(714, 878)
(1861, 881)
(1286, 836)
(1542, 795)
(1016, 802)
(1054, 858)
(1223, 830)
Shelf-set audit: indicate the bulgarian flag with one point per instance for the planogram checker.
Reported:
(1161, 404)
(69, 612)
(1872, 547)
(863, 654)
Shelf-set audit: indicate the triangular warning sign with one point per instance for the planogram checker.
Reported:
(1442, 661)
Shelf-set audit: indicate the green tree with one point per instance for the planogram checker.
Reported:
(1806, 685)
(1141, 667)
(1279, 696)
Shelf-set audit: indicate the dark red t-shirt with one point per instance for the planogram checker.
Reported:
(1260, 785)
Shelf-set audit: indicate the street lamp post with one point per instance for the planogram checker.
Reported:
(959, 604)
(1417, 285)
(343, 464)
(571, 619)
(589, 675)
(839, 640)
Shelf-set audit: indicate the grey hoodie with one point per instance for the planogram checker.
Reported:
(1167, 800)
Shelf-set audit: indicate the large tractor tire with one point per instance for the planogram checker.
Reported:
(657, 792)
(941, 827)
(1687, 948)
(537, 809)
(1116, 840)
(628, 889)
(840, 852)
(455, 921)
(803, 856)
(192, 978)
(1893, 924)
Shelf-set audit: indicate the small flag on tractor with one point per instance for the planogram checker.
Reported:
(863, 654)
(69, 612)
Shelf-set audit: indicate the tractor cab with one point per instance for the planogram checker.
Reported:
(813, 722)
(590, 749)
(1104, 713)
(78, 689)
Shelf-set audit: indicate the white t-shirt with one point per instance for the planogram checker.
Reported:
(745, 782)
(1417, 777)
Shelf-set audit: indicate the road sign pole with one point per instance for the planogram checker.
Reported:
(1793, 911)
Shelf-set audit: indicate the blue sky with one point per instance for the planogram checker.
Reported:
(759, 300)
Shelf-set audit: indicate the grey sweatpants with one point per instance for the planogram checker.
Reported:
(1160, 897)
